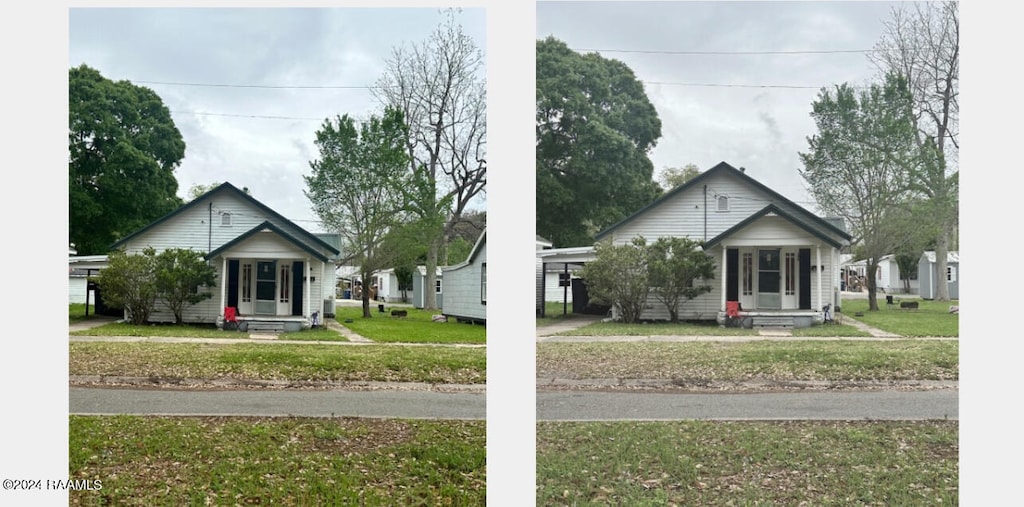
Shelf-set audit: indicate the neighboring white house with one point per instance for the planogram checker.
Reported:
(268, 268)
(887, 276)
(542, 244)
(80, 267)
(465, 283)
(930, 279)
(419, 278)
(774, 259)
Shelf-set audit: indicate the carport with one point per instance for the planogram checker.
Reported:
(564, 260)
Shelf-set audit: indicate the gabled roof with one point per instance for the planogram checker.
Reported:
(472, 253)
(793, 209)
(228, 187)
(267, 226)
(813, 228)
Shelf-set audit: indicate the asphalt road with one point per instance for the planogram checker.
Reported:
(309, 403)
(610, 406)
(551, 405)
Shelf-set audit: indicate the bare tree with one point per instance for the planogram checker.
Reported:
(923, 45)
(440, 87)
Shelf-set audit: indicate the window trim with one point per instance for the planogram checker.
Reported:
(722, 203)
(483, 283)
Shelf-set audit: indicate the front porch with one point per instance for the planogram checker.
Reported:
(759, 319)
(265, 323)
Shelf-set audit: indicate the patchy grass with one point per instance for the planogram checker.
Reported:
(744, 361)
(277, 461)
(932, 318)
(748, 463)
(416, 327)
(280, 361)
(320, 334)
(831, 330)
(696, 328)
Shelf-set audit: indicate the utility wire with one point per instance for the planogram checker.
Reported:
(274, 87)
(728, 53)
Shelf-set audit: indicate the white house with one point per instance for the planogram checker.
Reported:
(419, 279)
(80, 267)
(275, 274)
(930, 278)
(465, 283)
(776, 262)
(542, 244)
(888, 278)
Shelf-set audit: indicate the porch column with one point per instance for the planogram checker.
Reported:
(309, 281)
(223, 284)
(821, 272)
(722, 271)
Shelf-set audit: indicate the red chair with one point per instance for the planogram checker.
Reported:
(230, 318)
(732, 309)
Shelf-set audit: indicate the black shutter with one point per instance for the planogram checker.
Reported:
(804, 260)
(732, 274)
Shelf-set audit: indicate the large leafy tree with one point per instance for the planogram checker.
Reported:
(440, 87)
(618, 275)
(179, 273)
(357, 187)
(124, 148)
(595, 129)
(675, 264)
(923, 44)
(860, 162)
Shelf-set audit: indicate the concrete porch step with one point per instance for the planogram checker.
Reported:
(767, 321)
(269, 327)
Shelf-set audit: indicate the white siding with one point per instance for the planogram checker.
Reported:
(552, 292)
(193, 228)
(200, 227)
(76, 289)
(462, 289)
(683, 214)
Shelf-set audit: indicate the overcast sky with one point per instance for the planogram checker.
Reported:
(259, 131)
(749, 110)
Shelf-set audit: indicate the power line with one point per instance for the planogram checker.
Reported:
(724, 53)
(273, 87)
(262, 117)
(717, 85)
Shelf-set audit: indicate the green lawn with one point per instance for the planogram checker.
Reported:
(280, 361)
(748, 463)
(416, 327)
(277, 461)
(696, 362)
(932, 318)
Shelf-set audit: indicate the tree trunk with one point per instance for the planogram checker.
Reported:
(872, 285)
(366, 296)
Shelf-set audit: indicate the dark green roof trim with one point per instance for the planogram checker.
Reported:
(229, 187)
(480, 242)
(772, 208)
(724, 167)
(255, 230)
